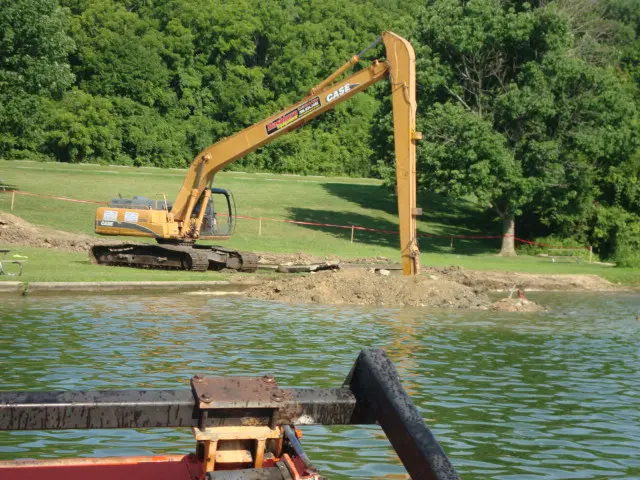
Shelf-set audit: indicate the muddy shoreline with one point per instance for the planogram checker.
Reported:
(450, 287)
(360, 281)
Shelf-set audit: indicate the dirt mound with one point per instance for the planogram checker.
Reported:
(451, 287)
(516, 305)
(496, 281)
(362, 287)
(16, 231)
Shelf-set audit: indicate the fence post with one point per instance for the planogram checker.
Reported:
(352, 232)
(451, 243)
(260, 226)
(590, 253)
(13, 199)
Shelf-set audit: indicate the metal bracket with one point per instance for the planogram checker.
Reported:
(236, 392)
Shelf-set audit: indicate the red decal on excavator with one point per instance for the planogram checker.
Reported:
(300, 111)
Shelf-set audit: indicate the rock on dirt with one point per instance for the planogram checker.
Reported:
(16, 231)
(361, 287)
(516, 305)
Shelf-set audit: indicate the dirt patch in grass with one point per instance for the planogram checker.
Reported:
(301, 258)
(16, 231)
(505, 281)
(482, 280)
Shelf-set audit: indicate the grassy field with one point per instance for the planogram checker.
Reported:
(342, 201)
(45, 265)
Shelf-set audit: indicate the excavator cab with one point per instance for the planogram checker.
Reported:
(217, 224)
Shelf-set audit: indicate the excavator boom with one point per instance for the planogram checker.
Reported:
(184, 221)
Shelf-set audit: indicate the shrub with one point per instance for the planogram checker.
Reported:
(555, 242)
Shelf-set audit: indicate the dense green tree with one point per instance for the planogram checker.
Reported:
(149, 138)
(82, 128)
(511, 115)
(208, 69)
(118, 54)
(33, 65)
(610, 29)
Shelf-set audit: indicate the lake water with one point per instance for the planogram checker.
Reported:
(527, 396)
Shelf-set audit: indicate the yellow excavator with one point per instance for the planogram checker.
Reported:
(191, 217)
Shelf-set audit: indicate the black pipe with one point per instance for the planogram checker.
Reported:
(376, 385)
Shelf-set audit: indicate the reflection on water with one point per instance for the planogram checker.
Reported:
(533, 396)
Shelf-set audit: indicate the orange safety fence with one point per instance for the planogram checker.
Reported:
(66, 199)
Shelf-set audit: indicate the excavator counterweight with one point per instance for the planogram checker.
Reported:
(192, 217)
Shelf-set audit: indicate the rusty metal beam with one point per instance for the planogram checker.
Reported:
(167, 408)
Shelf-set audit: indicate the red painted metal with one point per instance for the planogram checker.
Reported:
(165, 467)
(168, 467)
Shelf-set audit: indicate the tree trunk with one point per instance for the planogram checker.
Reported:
(508, 235)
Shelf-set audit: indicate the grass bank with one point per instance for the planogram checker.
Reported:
(342, 201)
(47, 265)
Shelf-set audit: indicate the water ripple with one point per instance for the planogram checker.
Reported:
(543, 396)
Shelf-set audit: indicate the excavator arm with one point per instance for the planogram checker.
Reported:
(399, 68)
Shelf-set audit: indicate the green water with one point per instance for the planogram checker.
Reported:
(534, 396)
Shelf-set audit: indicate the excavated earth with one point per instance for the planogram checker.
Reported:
(450, 287)
(362, 287)
(358, 284)
(16, 231)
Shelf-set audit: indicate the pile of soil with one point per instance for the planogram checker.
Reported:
(363, 287)
(16, 231)
(505, 281)
(516, 305)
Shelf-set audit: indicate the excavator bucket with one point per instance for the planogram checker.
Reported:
(244, 427)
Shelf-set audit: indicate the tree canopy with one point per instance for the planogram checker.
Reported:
(522, 107)
(34, 48)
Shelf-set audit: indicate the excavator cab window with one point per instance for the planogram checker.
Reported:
(219, 217)
(140, 203)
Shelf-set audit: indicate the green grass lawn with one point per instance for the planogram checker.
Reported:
(343, 201)
(47, 265)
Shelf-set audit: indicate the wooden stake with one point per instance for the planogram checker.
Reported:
(352, 232)
(13, 199)
(451, 243)
(590, 253)
(260, 226)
